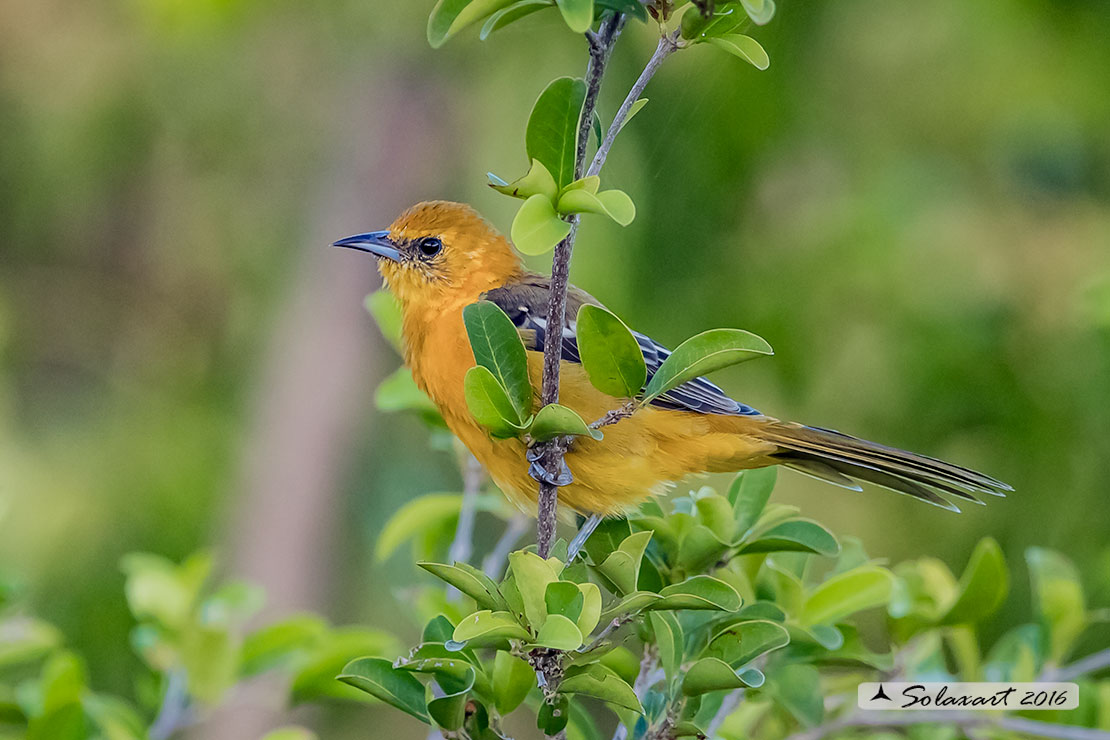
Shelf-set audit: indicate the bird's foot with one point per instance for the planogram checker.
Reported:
(540, 473)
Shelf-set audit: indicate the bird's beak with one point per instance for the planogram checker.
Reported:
(376, 243)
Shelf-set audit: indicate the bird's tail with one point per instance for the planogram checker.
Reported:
(842, 460)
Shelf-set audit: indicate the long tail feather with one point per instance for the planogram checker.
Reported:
(839, 458)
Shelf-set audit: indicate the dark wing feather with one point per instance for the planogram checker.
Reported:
(525, 302)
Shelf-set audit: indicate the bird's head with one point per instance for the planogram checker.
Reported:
(439, 252)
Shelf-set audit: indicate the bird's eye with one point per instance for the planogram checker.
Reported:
(430, 246)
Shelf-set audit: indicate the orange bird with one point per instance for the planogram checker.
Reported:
(439, 257)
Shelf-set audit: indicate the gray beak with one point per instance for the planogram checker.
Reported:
(376, 243)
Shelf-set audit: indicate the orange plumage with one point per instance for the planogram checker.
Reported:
(439, 257)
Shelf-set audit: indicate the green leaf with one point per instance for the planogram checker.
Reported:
(537, 228)
(438, 629)
(469, 580)
(591, 608)
(565, 598)
(488, 626)
(451, 16)
(552, 132)
(713, 674)
(290, 733)
(26, 640)
(748, 495)
(744, 47)
(589, 183)
(628, 7)
(601, 683)
(158, 589)
(315, 669)
(554, 420)
(714, 511)
(415, 517)
(553, 716)
(623, 662)
(386, 310)
(700, 548)
(760, 11)
(669, 640)
(498, 348)
(740, 643)
(622, 567)
(1017, 656)
(278, 642)
(727, 18)
(610, 353)
(533, 575)
(686, 728)
(612, 203)
(699, 592)
(513, 678)
(489, 404)
(607, 538)
(399, 392)
(983, 586)
(455, 679)
(862, 588)
(632, 111)
(711, 350)
(118, 720)
(381, 680)
(578, 14)
(795, 535)
(1060, 604)
(797, 687)
(64, 679)
(66, 722)
(511, 14)
(538, 181)
(630, 604)
(559, 633)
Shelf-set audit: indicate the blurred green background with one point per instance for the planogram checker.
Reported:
(912, 205)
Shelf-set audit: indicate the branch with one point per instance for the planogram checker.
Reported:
(1091, 664)
(667, 46)
(463, 545)
(494, 563)
(612, 417)
(174, 712)
(642, 684)
(601, 48)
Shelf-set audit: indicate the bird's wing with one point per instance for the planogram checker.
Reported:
(525, 302)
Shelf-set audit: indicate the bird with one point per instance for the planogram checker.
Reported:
(438, 257)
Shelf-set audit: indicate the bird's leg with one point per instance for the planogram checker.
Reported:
(584, 533)
(535, 456)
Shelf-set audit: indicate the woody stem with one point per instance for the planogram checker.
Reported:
(601, 48)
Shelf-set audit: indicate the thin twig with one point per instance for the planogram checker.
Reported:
(1091, 664)
(728, 705)
(667, 45)
(642, 683)
(610, 628)
(494, 563)
(174, 712)
(463, 545)
(612, 417)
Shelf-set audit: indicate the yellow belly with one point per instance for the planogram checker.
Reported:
(638, 457)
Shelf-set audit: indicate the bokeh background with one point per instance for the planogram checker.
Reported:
(912, 205)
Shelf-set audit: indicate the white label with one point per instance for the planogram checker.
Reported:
(909, 695)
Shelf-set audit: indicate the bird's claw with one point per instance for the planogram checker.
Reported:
(539, 473)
